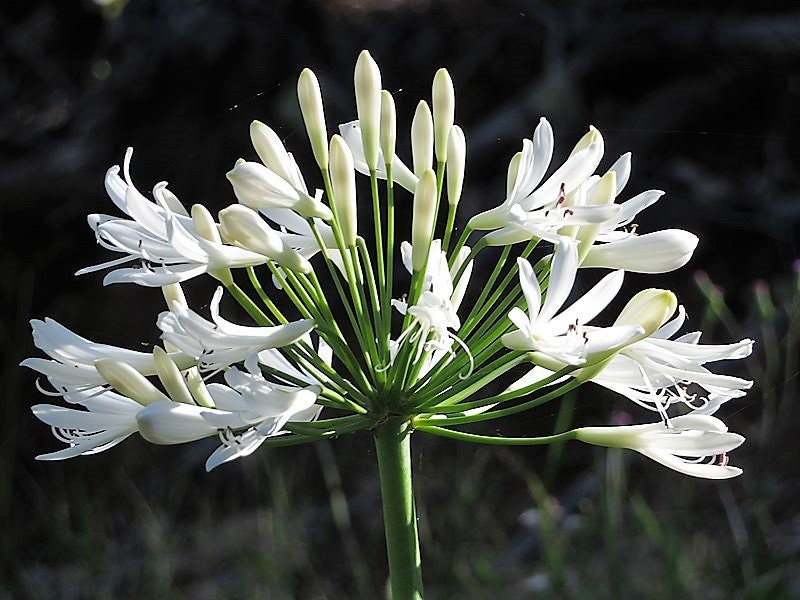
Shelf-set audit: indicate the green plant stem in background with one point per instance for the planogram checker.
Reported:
(393, 446)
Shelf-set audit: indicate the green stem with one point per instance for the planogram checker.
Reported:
(393, 447)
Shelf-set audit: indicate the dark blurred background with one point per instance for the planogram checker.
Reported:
(706, 97)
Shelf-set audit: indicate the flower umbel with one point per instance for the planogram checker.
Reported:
(326, 354)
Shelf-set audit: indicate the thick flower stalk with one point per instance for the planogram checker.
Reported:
(344, 339)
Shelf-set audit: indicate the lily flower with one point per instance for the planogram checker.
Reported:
(109, 419)
(695, 445)
(170, 243)
(436, 311)
(563, 338)
(73, 357)
(219, 343)
(531, 208)
(657, 371)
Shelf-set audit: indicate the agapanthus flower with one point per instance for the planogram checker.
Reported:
(169, 244)
(565, 337)
(695, 445)
(327, 353)
(218, 343)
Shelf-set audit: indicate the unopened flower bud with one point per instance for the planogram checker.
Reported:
(270, 149)
(343, 180)
(649, 309)
(310, 98)
(167, 423)
(423, 219)
(206, 228)
(128, 381)
(658, 252)
(456, 160)
(204, 224)
(171, 377)
(422, 138)
(173, 293)
(258, 187)
(388, 127)
(243, 227)
(367, 80)
(444, 106)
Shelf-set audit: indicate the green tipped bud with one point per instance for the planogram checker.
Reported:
(457, 154)
(171, 377)
(367, 80)
(444, 108)
(243, 227)
(343, 180)
(310, 97)
(422, 138)
(423, 219)
(128, 381)
(649, 309)
(388, 127)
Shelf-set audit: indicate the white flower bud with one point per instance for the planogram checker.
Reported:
(388, 126)
(310, 98)
(367, 80)
(657, 252)
(258, 187)
(456, 160)
(243, 227)
(171, 377)
(167, 423)
(649, 309)
(444, 106)
(422, 138)
(343, 181)
(128, 381)
(173, 292)
(270, 149)
(204, 224)
(423, 219)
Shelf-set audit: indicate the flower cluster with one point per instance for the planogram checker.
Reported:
(364, 340)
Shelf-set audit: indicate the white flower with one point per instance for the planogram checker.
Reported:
(160, 234)
(529, 210)
(695, 445)
(435, 313)
(219, 343)
(73, 357)
(657, 371)
(564, 337)
(109, 419)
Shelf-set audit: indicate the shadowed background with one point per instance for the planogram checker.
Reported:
(705, 98)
